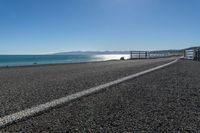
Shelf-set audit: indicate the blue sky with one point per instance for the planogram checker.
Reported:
(48, 26)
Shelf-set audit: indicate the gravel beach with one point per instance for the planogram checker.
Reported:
(163, 101)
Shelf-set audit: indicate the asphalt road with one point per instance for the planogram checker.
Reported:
(25, 87)
(165, 100)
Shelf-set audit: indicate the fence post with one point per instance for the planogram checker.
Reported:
(131, 54)
(139, 54)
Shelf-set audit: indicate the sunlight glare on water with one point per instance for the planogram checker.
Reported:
(111, 57)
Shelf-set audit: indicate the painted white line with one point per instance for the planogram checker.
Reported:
(9, 119)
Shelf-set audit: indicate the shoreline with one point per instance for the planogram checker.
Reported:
(72, 63)
(54, 64)
(34, 60)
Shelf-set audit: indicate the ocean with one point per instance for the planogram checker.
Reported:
(23, 60)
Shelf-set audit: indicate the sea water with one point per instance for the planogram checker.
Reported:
(22, 60)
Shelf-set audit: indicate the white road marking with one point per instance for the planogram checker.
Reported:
(9, 119)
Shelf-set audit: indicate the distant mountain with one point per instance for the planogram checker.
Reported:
(113, 52)
(196, 47)
(92, 52)
(172, 51)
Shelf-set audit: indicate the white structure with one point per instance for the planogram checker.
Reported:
(190, 54)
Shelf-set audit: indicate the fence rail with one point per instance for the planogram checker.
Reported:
(147, 54)
(139, 54)
(192, 54)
